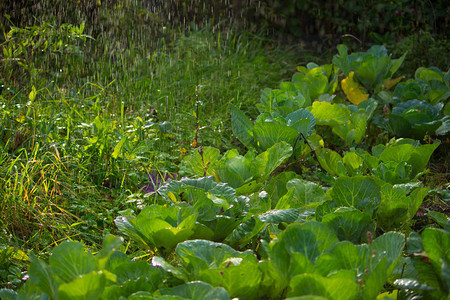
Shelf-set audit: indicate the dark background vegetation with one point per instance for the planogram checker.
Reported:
(420, 26)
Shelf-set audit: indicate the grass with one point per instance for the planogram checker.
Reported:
(81, 129)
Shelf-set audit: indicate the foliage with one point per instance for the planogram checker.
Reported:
(400, 161)
(342, 17)
(237, 170)
(424, 49)
(272, 128)
(73, 273)
(419, 106)
(367, 85)
(373, 68)
(415, 119)
(26, 51)
(349, 122)
(314, 206)
(307, 85)
(306, 259)
(430, 265)
(158, 226)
